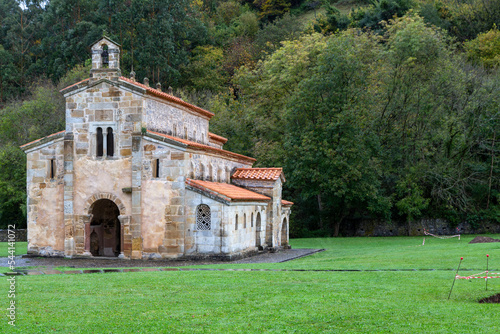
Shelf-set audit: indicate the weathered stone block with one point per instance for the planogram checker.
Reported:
(136, 244)
(125, 152)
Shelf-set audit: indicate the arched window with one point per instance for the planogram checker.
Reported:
(210, 172)
(236, 222)
(228, 175)
(284, 233)
(99, 148)
(202, 172)
(105, 56)
(110, 145)
(192, 172)
(203, 217)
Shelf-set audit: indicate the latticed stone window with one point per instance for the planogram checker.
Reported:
(203, 217)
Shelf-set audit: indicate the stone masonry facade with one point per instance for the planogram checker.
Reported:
(137, 174)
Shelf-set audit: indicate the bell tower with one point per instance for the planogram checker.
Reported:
(105, 60)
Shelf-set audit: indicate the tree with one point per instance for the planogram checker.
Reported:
(485, 49)
(330, 151)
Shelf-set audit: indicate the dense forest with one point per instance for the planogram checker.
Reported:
(379, 109)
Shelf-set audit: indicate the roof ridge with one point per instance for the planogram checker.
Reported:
(40, 139)
(227, 191)
(169, 97)
(201, 146)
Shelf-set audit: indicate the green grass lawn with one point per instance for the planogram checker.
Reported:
(21, 248)
(276, 301)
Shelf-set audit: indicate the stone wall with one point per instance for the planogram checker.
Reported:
(378, 228)
(21, 235)
(163, 117)
(45, 184)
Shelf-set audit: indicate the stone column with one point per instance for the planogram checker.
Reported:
(87, 219)
(69, 243)
(135, 224)
(125, 237)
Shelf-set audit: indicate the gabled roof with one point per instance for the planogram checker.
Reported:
(75, 84)
(226, 192)
(43, 140)
(148, 90)
(201, 147)
(106, 38)
(168, 97)
(262, 174)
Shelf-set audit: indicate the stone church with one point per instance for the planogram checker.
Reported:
(136, 174)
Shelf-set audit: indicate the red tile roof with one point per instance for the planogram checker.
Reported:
(202, 147)
(169, 97)
(43, 139)
(286, 203)
(75, 84)
(217, 138)
(228, 192)
(265, 174)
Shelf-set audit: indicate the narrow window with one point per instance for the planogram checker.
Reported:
(228, 175)
(99, 148)
(210, 172)
(156, 168)
(110, 146)
(105, 56)
(251, 220)
(236, 223)
(194, 136)
(185, 133)
(203, 217)
(245, 220)
(52, 169)
(202, 172)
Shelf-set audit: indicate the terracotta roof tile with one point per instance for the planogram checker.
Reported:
(203, 147)
(41, 139)
(75, 84)
(286, 203)
(228, 191)
(169, 97)
(270, 174)
(218, 138)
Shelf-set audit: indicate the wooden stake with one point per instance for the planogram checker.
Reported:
(455, 277)
(486, 279)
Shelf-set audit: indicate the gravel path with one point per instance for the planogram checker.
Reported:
(50, 263)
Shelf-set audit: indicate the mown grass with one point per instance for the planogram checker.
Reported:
(388, 253)
(20, 247)
(276, 301)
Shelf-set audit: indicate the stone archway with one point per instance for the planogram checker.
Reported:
(105, 231)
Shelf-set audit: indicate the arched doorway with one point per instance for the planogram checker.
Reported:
(284, 234)
(257, 231)
(105, 229)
